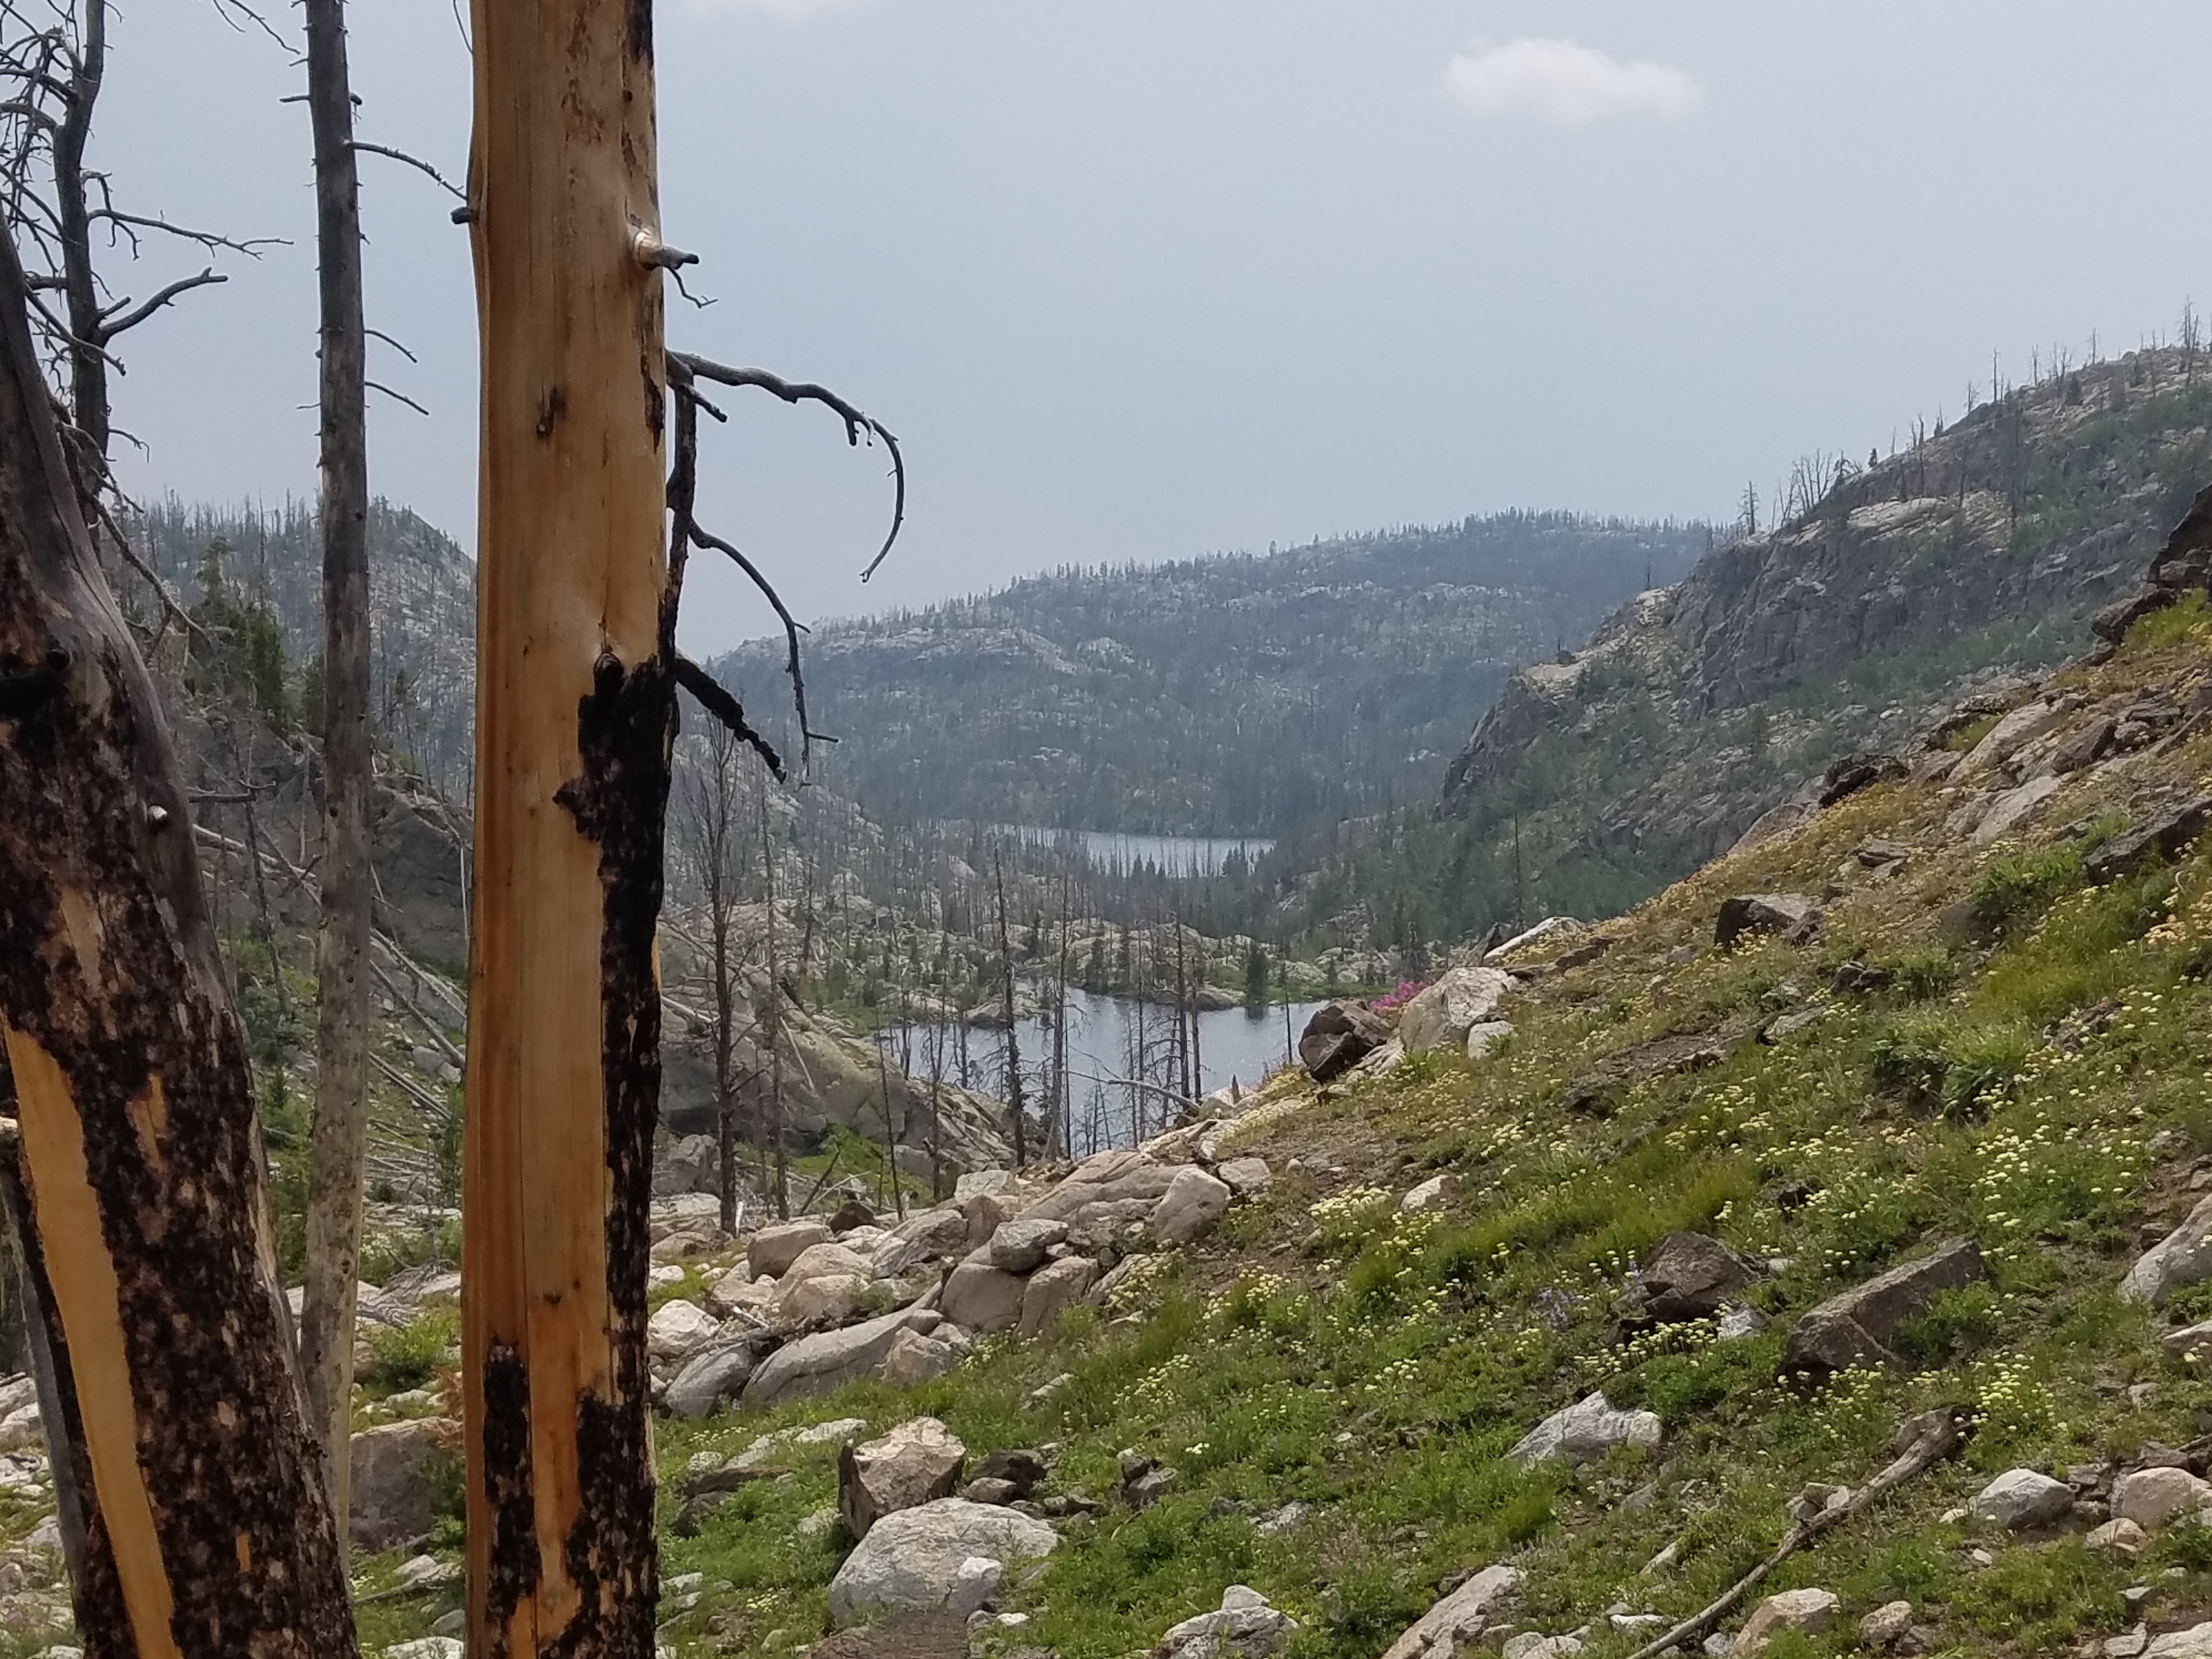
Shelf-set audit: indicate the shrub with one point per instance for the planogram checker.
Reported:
(408, 1356)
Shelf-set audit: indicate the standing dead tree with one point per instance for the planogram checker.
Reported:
(576, 709)
(208, 1531)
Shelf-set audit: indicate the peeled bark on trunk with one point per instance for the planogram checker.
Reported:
(208, 1533)
(338, 1141)
(574, 725)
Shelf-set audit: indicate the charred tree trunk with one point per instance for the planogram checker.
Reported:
(576, 717)
(1014, 1107)
(341, 1120)
(208, 1530)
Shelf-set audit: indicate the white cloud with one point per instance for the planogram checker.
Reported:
(1564, 84)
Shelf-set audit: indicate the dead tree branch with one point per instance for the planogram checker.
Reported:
(712, 696)
(361, 146)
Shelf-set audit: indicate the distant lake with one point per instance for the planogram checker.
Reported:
(1112, 851)
(1103, 1039)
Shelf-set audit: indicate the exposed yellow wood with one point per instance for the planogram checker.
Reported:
(85, 1289)
(570, 571)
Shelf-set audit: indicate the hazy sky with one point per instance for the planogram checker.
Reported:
(1141, 280)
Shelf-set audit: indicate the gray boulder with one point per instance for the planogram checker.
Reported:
(827, 1359)
(1586, 1430)
(396, 1475)
(1338, 1038)
(1194, 1201)
(1691, 1276)
(1245, 1627)
(1457, 1624)
(917, 1462)
(928, 1235)
(1019, 1247)
(984, 1299)
(911, 1561)
(2182, 1258)
(1114, 1177)
(688, 1164)
(708, 1379)
(1442, 1016)
(2022, 1498)
(772, 1249)
(913, 1359)
(1858, 1327)
(1793, 916)
(1247, 1178)
(1053, 1289)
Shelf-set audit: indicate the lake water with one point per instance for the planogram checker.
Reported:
(1103, 1036)
(1112, 851)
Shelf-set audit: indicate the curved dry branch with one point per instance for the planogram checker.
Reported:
(113, 326)
(363, 146)
(858, 423)
(793, 628)
(714, 697)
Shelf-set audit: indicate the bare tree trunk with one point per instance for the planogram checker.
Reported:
(574, 728)
(1013, 1042)
(208, 1530)
(339, 1141)
(771, 1022)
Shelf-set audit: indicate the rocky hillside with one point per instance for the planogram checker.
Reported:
(1811, 1260)
(1978, 551)
(1232, 696)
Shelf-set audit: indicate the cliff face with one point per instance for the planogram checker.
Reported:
(1988, 547)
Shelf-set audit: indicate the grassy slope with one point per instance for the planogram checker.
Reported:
(1323, 1350)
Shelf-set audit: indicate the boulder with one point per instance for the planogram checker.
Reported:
(2159, 838)
(1535, 1644)
(709, 1378)
(2120, 1537)
(772, 1249)
(822, 1298)
(2191, 1343)
(1810, 1611)
(1442, 1016)
(688, 1164)
(2182, 1258)
(1858, 1327)
(986, 1212)
(1586, 1430)
(911, 1561)
(1246, 1627)
(913, 1359)
(1124, 1176)
(1487, 1038)
(2015, 807)
(737, 1291)
(1247, 1178)
(397, 1472)
(2155, 1498)
(1338, 1038)
(827, 1359)
(2194, 1642)
(1691, 1276)
(1019, 1468)
(926, 1237)
(978, 1182)
(1194, 1201)
(423, 1647)
(917, 1462)
(2022, 1498)
(975, 1586)
(679, 1330)
(1885, 1627)
(1793, 916)
(1020, 1247)
(1431, 1194)
(853, 1212)
(1053, 1289)
(823, 1261)
(984, 1299)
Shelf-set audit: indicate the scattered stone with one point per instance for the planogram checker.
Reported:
(819, 1299)
(2122, 1537)
(1431, 1194)
(1247, 1178)
(1338, 1038)
(1688, 1276)
(423, 1647)
(1194, 1201)
(984, 1491)
(1885, 1627)
(2021, 1498)
(708, 1379)
(915, 1463)
(1858, 1327)
(1532, 1645)
(1816, 1499)
(1857, 979)
(826, 1359)
(1246, 1627)
(1665, 1558)
(772, 1249)
(1020, 1247)
(396, 1471)
(1486, 1039)
(913, 1359)
(1053, 1289)
(976, 1585)
(2182, 1258)
(2015, 807)
(926, 1237)
(1588, 1429)
(2160, 838)
(2195, 1643)
(2128, 1644)
(2153, 1498)
(1144, 1480)
(679, 1330)
(1738, 1322)
(853, 1212)
(1441, 1016)
(1052, 1386)
(1793, 916)
(1811, 1611)
(984, 1299)
(1636, 1621)
(1782, 1028)
(1284, 1519)
(911, 1561)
